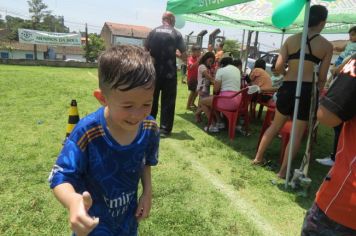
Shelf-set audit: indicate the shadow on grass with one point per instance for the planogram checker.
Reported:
(182, 135)
(247, 147)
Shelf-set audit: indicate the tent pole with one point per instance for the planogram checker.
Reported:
(249, 35)
(298, 89)
(242, 44)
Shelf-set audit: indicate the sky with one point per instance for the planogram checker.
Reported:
(136, 12)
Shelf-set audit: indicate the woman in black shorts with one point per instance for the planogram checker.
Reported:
(318, 51)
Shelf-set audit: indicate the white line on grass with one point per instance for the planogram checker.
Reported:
(245, 208)
(92, 75)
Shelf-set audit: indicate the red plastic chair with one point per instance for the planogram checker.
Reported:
(238, 104)
(254, 103)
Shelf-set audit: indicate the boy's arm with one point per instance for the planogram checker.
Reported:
(340, 49)
(339, 103)
(64, 179)
(78, 205)
(145, 201)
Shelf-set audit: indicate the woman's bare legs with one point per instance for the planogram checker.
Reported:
(191, 99)
(299, 132)
(205, 104)
(268, 136)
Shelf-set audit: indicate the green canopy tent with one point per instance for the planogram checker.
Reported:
(256, 15)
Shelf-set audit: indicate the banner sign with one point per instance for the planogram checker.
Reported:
(49, 38)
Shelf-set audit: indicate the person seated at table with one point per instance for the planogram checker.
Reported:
(227, 83)
(262, 79)
(205, 79)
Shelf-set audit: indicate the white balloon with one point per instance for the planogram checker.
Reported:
(180, 22)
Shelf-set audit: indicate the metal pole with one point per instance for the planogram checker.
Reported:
(249, 35)
(299, 86)
(86, 42)
(242, 44)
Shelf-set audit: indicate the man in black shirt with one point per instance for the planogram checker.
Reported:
(165, 44)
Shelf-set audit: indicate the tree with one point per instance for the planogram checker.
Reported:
(53, 24)
(12, 25)
(233, 47)
(37, 11)
(2, 22)
(94, 48)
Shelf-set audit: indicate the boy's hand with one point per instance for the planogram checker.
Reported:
(80, 222)
(144, 207)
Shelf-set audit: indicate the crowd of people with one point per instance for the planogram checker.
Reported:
(110, 151)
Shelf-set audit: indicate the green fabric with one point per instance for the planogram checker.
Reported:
(195, 6)
(256, 15)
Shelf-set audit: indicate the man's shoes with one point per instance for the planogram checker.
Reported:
(164, 133)
(327, 161)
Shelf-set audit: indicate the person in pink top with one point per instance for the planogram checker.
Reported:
(192, 77)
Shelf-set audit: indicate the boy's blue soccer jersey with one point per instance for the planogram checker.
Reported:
(91, 160)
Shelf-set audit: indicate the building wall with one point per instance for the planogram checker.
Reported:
(120, 40)
(22, 54)
(68, 56)
(106, 35)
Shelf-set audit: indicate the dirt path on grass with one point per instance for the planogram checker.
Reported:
(241, 205)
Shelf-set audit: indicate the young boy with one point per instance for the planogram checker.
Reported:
(97, 173)
(348, 49)
(193, 64)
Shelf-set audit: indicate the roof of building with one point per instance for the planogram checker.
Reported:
(128, 30)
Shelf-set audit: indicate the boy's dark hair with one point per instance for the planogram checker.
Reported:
(352, 29)
(126, 67)
(195, 48)
(206, 56)
(318, 13)
(225, 61)
(260, 63)
(237, 62)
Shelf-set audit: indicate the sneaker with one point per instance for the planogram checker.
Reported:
(327, 161)
(212, 129)
(163, 133)
(242, 131)
(220, 125)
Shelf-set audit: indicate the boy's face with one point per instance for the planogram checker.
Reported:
(352, 36)
(125, 110)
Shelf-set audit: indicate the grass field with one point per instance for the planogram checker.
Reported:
(203, 185)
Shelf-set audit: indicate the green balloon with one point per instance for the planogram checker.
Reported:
(286, 13)
(180, 22)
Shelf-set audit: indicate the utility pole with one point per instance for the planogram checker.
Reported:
(35, 45)
(86, 42)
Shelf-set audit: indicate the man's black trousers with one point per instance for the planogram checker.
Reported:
(167, 89)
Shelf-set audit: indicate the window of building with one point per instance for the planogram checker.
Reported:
(29, 56)
(119, 40)
(4, 55)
